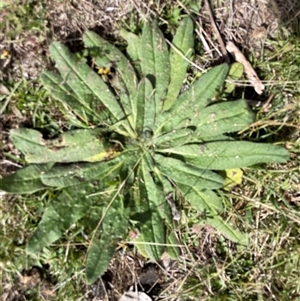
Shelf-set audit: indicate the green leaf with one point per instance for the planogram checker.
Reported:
(74, 174)
(86, 107)
(172, 248)
(227, 230)
(188, 174)
(191, 102)
(145, 107)
(223, 118)
(235, 73)
(84, 145)
(234, 176)
(182, 136)
(167, 210)
(195, 5)
(133, 49)
(182, 49)
(115, 56)
(111, 230)
(207, 202)
(152, 236)
(61, 214)
(126, 80)
(201, 199)
(228, 154)
(174, 138)
(154, 57)
(83, 81)
(26, 180)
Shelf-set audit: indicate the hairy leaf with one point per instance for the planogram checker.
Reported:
(188, 174)
(207, 202)
(227, 230)
(125, 82)
(173, 246)
(228, 154)
(73, 146)
(26, 180)
(152, 232)
(174, 138)
(115, 56)
(222, 118)
(167, 209)
(62, 213)
(180, 54)
(202, 199)
(191, 102)
(184, 136)
(113, 227)
(154, 57)
(76, 173)
(83, 81)
(133, 49)
(145, 107)
(86, 107)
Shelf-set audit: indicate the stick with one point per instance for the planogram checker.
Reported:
(220, 40)
(249, 71)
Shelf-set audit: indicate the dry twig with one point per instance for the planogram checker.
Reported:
(220, 40)
(249, 71)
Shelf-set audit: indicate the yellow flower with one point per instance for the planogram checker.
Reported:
(5, 54)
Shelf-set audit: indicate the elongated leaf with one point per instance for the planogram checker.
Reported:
(222, 118)
(111, 230)
(167, 209)
(74, 174)
(184, 136)
(227, 230)
(152, 231)
(140, 101)
(208, 202)
(229, 154)
(154, 57)
(190, 103)
(187, 174)
(73, 146)
(202, 199)
(172, 248)
(61, 214)
(115, 56)
(85, 107)
(125, 81)
(151, 240)
(145, 107)
(180, 53)
(133, 49)
(174, 138)
(25, 180)
(83, 81)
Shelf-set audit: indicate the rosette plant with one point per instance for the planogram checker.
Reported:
(143, 143)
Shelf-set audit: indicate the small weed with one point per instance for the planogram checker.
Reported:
(211, 267)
